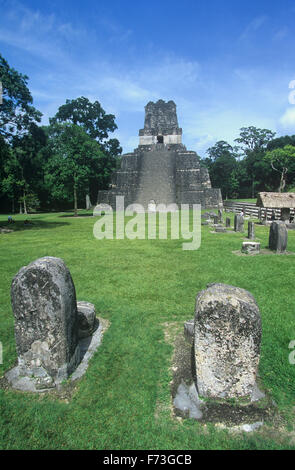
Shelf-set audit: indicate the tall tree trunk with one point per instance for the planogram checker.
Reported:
(88, 202)
(282, 182)
(75, 201)
(25, 205)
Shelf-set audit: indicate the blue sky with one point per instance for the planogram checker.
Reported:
(226, 64)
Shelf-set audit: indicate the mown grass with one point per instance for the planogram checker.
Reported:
(123, 401)
(250, 200)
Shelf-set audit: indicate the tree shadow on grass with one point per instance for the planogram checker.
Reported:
(19, 225)
(71, 215)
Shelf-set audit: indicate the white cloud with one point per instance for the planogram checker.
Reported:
(287, 120)
(252, 27)
(36, 33)
(125, 88)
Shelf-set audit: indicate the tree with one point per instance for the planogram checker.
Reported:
(222, 165)
(280, 160)
(23, 169)
(92, 118)
(253, 138)
(220, 149)
(280, 142)
(16, 111)
(18, 127)
(75, 156)
(254, 142)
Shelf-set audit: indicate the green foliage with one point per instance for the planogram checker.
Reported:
(280, 142)
(23, 169)
(90, 116)
(30, 201)
(253, 166)
(93, 119)
(280, 160)
(222, 167)
(39, 165)
(75, 158)
(253, 139)
(16, 111)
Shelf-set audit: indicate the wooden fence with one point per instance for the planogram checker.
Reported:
(252, 210)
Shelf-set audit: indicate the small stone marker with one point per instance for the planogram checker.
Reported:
(251, 230)
(220, 229)
(278, 236)
(220, 219)
(44, 305)
(227, 222)
(88, 202)
(215, 219)
(227, 337)
(251, 248)
(285, 214)
(86, 319)
(239, 223)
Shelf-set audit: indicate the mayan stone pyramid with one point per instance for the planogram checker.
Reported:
(161, 170)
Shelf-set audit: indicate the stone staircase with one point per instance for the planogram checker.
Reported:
(157, 177)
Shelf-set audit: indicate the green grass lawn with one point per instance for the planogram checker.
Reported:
(252, 201)
(123, 401)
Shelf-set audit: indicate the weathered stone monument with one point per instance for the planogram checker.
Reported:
(227, 222)
(278, 236)
(220, 216)
(215, 363)
(251, 230)
(251, 248)
(220, 229)
(48, 325)
(238, 223)
(227, 337)
(86, 319)
(161, 170)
